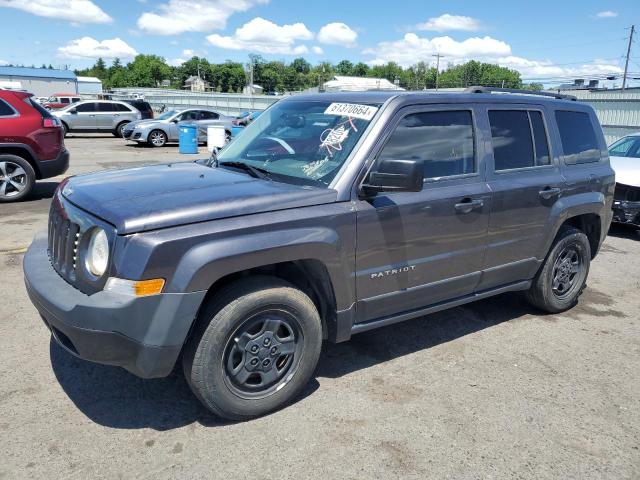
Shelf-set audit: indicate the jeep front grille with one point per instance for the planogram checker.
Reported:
(63, 242)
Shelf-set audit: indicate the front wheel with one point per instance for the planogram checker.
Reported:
(157, 138)
(255, 348)
(563, 276)
(118, 132)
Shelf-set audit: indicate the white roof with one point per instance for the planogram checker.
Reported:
(89, 79)
(357, 84)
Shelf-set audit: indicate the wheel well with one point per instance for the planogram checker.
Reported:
(124, 122)
(591, 225)
(310, 276)
(23, 153)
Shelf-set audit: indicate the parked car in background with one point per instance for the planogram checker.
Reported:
(164, 129)
(61, 100)
(143, 106)
(625, 160)
(40, 100)
(98, 116)
(333, 214)
(31, 145)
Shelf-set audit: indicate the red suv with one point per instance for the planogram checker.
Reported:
(31, 145)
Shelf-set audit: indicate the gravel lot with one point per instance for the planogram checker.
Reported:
(489, 390)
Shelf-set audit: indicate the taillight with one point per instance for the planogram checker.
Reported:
(48, 122)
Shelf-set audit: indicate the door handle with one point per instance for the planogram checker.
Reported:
(467, 205)
(549, 192)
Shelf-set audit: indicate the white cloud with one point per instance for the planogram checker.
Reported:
(87, 47)
(411, 49)
(176, 62)
(317, 50)
(3, 62)
(547, 69)
(75, 11)
(450, 22)
(188, 52)
(263, 36)
(606, 14)
(178, 16)
(337, 34)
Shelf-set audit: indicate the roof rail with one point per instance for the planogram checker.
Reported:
(517, 91)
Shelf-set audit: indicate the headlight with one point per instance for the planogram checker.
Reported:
(97, 257)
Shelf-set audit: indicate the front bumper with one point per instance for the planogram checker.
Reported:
(55, 167)
(626, 212)
(144, 335)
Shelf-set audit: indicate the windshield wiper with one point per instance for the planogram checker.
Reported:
(255, 172)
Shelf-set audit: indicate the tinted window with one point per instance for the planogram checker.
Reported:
(511, 138)
(86, 107)
(539, 138)
(65, 100)
(205, 115)
(5, 109)
(123, 108)
(107, 107)
(443, 141)
(43, 111)
(578, 138)
(190, 115)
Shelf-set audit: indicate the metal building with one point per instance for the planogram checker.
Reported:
(89, 86)
(617, 110)
(42, 82)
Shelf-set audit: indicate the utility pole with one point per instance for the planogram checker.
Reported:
(626, 63)
(438, 56)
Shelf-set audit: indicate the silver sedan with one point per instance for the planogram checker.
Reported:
(159, 131)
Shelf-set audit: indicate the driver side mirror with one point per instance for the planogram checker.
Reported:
(73, 111)
(395, 176)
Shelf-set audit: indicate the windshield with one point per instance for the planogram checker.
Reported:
(303, 142)
(166, 115)
(626, 147)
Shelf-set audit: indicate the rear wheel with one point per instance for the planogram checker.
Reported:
(255, 348)
(17, 178)
(563, 276)
(157, 138)
(65, 129)
(119, 129)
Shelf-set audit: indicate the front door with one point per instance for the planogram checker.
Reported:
(526, 182)
(84, 118)
(416, 249)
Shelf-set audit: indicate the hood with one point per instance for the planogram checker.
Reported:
(148, 122)
(160, 196)
(627, 170)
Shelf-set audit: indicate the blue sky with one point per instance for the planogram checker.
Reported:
(546, 40)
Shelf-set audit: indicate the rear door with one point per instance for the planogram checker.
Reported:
(525, 178)
(419, 248)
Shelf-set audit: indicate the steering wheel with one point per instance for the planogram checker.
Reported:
(288, 148)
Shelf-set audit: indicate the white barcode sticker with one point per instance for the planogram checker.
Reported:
(353, 110)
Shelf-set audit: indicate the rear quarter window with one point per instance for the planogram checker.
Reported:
(5, 109)
(578, 138)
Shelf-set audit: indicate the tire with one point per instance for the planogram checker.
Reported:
(226, 360)
(65, 129)
(157, 138)
(118, 131)
(562, 278)
(17, 178)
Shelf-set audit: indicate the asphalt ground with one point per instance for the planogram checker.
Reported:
(493, 389)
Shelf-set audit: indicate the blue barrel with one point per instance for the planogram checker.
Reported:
(188, 138)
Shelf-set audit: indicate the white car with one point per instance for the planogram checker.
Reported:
(625, 160)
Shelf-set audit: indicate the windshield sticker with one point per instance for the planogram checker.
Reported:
(313, 167)
(332, 139)
(353, 110)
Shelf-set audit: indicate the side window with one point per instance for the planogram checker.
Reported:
(6, 110)
(519, 139)
(443, 141)
(578, 138)
(106, 107)
(206, 115)
(65, 100)
(124, 108)
(86, 107)
(626, 147)
(189, 115)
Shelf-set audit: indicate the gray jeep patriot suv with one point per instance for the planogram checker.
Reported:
(330, 215)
